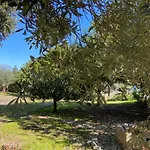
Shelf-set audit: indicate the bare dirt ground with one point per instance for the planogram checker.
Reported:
(4, 100)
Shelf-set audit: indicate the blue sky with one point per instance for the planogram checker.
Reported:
(15, 51)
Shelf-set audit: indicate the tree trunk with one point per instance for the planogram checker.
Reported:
(55, 105)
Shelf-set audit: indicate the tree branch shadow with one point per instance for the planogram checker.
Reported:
(77, 124)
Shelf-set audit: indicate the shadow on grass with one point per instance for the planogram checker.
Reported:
(19, 110)
(77, 123)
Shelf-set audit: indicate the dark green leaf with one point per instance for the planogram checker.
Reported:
(32, 58)
(91, 28)
(19, 30)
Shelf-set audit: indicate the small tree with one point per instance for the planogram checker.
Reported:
(57, 88)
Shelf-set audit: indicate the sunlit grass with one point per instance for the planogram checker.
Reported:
(121, 102)
(35, 128)
(12, 133)
(35, 132)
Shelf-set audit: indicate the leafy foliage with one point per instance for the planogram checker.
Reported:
(50, 22)
(122, 31)
(44, 79)
(7, 20)
(117, 50)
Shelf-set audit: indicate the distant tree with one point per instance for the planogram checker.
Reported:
(15, 70)
(6, 77)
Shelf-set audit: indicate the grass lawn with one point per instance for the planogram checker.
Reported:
(36, 128)
(122, 102)
(14, 127)
(12, 133)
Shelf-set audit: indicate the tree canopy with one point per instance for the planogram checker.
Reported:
(52, 21)
(7, 20)
(124, 28)
(115, 49)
